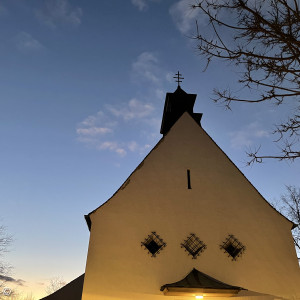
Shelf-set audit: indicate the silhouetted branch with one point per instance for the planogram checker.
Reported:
(291, 208)
(55, 284)
(5, 268)
(266, 43)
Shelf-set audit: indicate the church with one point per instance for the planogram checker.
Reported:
(187, 224)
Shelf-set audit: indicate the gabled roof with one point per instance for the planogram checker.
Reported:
(87, 217)
(71, 291)
(198, 280)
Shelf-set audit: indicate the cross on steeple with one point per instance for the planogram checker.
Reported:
(178, 77)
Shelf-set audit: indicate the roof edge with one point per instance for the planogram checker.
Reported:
(292, 223)
(88, 218)
(88, 221)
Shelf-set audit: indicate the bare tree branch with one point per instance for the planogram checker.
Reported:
(55, 284)
(266, 44)
(291, 209)
(5, 268)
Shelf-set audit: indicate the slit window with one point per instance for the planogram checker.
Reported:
(188, 173)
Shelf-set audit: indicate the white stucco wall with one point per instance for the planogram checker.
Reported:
(221, 202)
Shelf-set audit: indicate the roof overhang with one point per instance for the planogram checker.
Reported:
(200, 284)
(88, 221)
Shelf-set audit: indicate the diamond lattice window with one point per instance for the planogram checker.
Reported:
(233, 247)
(154, 244)
(193, 245)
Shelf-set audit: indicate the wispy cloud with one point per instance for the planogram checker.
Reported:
(94, 128)
(112, 146)
(99, 130)
(12, 280)
(93, 131)
(245, 137)
(142, 5)
(184, 16)
(134, 109)
(56, 12)
(111, 128)
(148, 73)
(25, 42)
(146, 68)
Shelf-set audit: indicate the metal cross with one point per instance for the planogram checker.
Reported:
(178, 77)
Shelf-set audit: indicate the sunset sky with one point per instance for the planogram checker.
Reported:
(82, 89)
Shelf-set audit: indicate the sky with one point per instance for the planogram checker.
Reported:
(82, 90)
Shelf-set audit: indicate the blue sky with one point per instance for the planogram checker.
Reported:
(82, 89)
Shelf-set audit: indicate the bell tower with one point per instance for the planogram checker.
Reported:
(176, 104)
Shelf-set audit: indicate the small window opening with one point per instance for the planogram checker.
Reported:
(153, 247)
(233, 247)
(153, 244)
(188, 172)
(193, 245)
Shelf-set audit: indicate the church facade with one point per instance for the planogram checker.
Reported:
(188, 224)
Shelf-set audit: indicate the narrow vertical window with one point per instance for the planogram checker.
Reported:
(188, 172)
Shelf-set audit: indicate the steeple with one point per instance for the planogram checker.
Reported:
(175, 105)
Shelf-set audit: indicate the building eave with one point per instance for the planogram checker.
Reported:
(199, 283)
